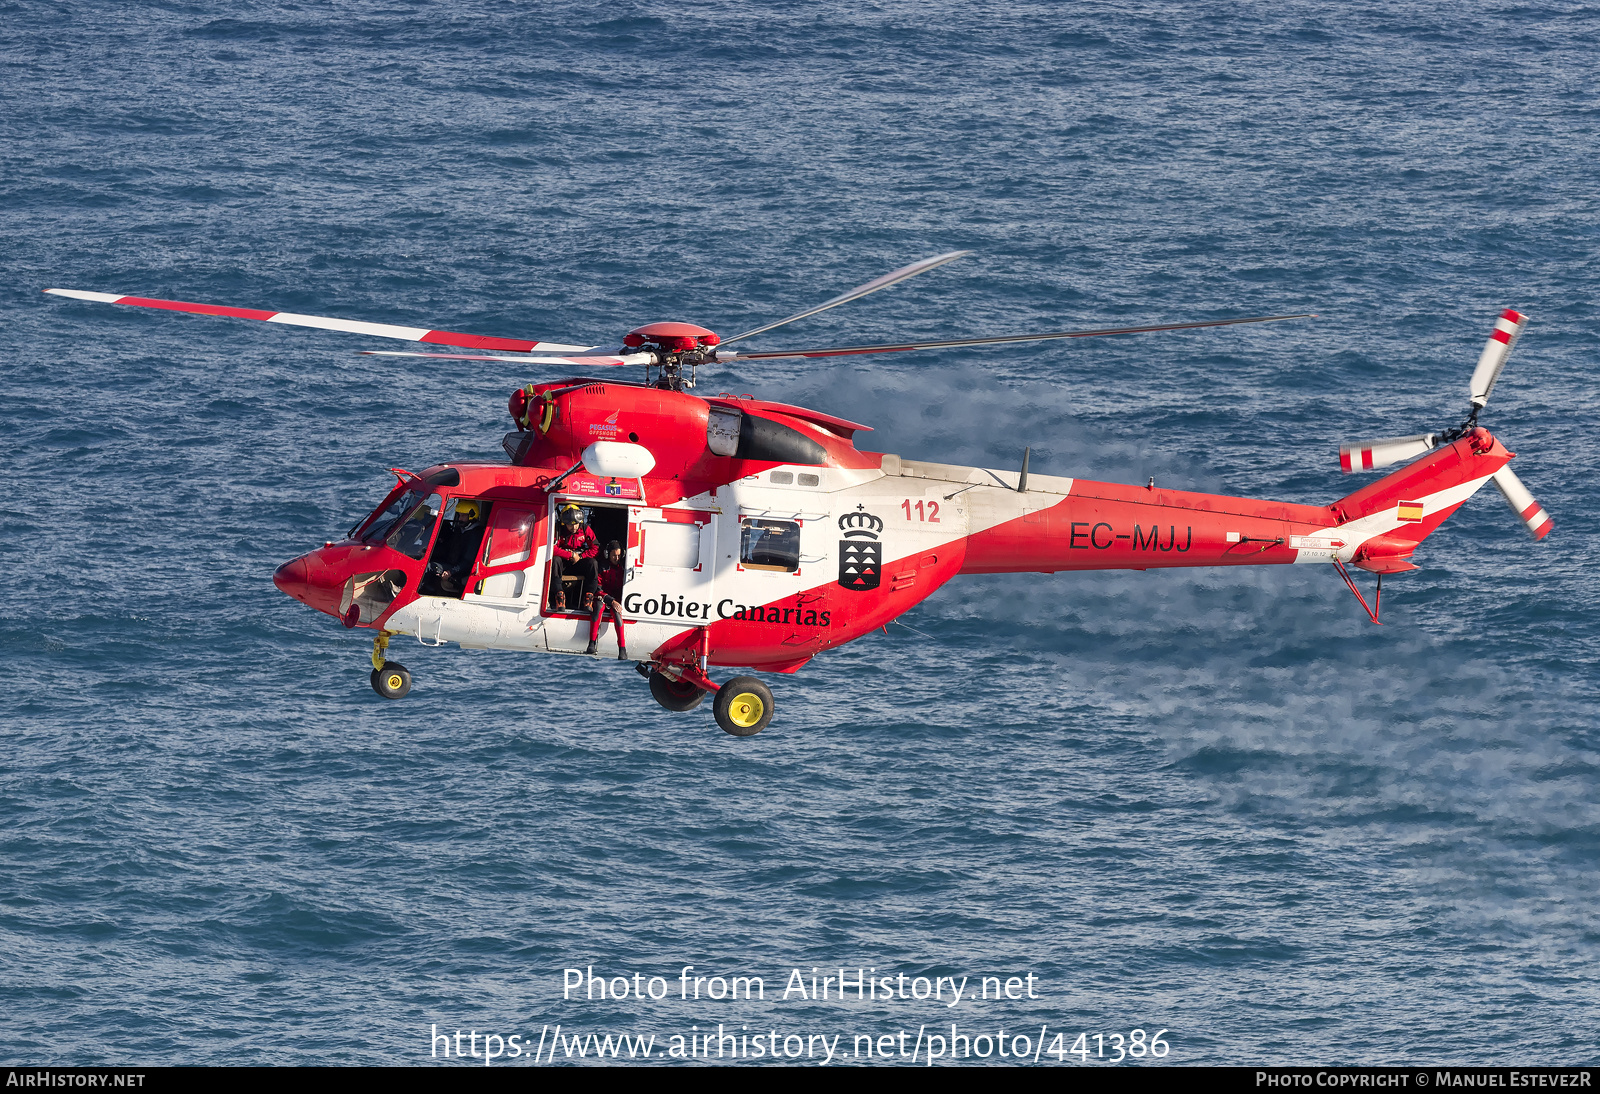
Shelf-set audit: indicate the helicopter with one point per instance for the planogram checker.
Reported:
(756, 535)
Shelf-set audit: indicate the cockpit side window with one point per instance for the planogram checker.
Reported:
(411, 538)
(383, 521)
(510, 537)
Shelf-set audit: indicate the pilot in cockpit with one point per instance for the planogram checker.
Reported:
(452, 556)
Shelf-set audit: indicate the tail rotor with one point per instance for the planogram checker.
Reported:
(1370, 455)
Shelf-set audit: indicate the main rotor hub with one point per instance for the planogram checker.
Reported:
(671, 337)
(676, 345)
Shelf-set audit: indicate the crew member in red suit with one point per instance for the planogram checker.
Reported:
(612, 575)
(574, 554)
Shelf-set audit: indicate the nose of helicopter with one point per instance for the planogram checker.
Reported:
(311, 584)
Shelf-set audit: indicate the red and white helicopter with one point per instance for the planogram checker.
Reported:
(758, 535)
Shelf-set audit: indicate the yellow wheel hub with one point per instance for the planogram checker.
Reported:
(746, 709)
(393, 681)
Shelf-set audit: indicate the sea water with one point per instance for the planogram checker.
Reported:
(1218, 804)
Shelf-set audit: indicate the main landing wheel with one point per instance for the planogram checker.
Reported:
(673, 694)
(744, 706)
(392, 681)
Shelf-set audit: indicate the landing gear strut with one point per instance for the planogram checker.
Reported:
(390, 679)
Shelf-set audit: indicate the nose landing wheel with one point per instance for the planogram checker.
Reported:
(390, 679)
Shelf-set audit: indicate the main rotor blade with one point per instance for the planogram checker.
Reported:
(348, 326)
(586, 362)
(1507, 329)
(896, 347)
(920, 266)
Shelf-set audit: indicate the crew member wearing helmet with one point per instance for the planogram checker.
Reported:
(612, 575)
(574, 554)
(451, 560)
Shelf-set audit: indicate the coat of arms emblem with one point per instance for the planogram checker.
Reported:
(860, 553)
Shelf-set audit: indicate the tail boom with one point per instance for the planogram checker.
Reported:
(1111, 526)
(1106, 526)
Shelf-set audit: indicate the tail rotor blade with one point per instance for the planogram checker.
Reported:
(1371, 454)
(1522, 503)
(1507, 329)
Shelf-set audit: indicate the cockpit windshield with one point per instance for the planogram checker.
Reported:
(384, 520)
(416, 531)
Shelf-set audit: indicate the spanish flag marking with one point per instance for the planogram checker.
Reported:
(1411, 510)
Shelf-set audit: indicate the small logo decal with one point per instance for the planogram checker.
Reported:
(607, 428)
(1411, 510)
(860, 553)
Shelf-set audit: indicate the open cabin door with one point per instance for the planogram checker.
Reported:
(671, 556)
(609, 521)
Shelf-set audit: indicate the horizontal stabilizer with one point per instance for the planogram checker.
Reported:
(1389, 554)
(1387, 565)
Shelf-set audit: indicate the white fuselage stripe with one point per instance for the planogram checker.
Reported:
(1358, 531)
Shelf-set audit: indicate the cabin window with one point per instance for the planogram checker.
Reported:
(783, 478)
(769, 545)
(810, 480)
(664, 543)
